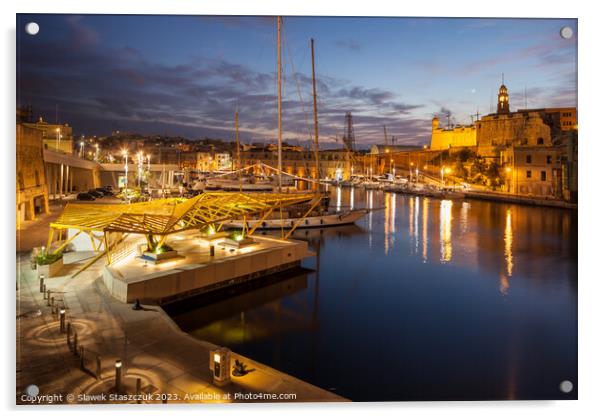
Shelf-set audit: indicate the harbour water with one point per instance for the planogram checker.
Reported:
(423, 299)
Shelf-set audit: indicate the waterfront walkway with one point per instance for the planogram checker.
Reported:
(151, 347)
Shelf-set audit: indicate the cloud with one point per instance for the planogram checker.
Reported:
(348, 44)
(100, 89)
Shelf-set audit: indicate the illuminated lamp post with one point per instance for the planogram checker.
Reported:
(118, 365)
(58, 139)
(140, 156)
(508, 173)
(124, 153)
(81, 148)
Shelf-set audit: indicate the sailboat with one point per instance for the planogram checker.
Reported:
(314, 213)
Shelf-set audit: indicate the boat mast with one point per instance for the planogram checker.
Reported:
(238, 152)
(316, 146)
(279, 108)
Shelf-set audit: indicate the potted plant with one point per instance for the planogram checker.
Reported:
(237, 239)
(49, 264)
(156, 252)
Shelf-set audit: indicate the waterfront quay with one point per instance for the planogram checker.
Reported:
(157, 358)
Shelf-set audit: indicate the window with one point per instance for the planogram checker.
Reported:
(528, 174)
(528, 158)
(37, 178)
(549, 159)
(21, 181)
(543, 175)
(540, 141)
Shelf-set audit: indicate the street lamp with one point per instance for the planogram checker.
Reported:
(140, 156)
(124, 153)
(81, 149)
(509, 181)
(96, 154)
(118, 365)
(58, 139)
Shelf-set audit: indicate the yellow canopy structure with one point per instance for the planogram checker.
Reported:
(166, 216)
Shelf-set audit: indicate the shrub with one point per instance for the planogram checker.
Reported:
(48, 259)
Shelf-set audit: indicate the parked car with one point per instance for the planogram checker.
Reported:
(104, 191)
(85, 196)
(95, 193)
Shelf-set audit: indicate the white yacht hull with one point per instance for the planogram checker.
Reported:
(328, 220)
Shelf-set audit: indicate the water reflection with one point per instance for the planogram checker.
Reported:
(445, 236)
(508, 242)
(425, 230)
(422, 285)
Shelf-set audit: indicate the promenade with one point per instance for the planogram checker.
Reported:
(171, 365)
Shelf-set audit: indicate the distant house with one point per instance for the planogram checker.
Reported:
(378, 149)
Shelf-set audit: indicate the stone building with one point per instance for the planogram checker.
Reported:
(536, 147)
(457, 136)
(543, 127)
(32, 191)
(333, 163)
(534, 171)
(57, 137)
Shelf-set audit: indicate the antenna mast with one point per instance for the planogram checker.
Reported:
(279, 107)
(238, 152)
(316, 144)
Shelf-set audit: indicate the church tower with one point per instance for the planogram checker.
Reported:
(503, 103)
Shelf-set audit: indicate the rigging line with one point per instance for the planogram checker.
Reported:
(290, 56)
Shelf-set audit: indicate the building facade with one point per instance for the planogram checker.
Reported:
(32, 191)
(457, 136)
(534, 171)
(57, 137)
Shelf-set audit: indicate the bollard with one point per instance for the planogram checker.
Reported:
(69, 335)
(62, 320)
(42, 283)
(44, 291)
(212, 250)
(118, 366)
(51, 304)
(138, 389)
(98, 367)
(82, 363)
(48, 300)
(75, 342)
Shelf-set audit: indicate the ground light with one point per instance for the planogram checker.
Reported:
(118, 365)
(62, 320)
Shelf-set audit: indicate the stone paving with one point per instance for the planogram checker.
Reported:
(171, 364)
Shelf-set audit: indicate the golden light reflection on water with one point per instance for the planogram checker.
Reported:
(369, 205)
(508, 238)
(445, 220)
(387, 224)
(464, 217)
(411, 219)
(425, 230)
(416, 217)
(508, 243)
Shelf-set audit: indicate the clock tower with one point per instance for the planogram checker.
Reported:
(503, 103)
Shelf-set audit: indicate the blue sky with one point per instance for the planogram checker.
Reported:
(186, 75)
